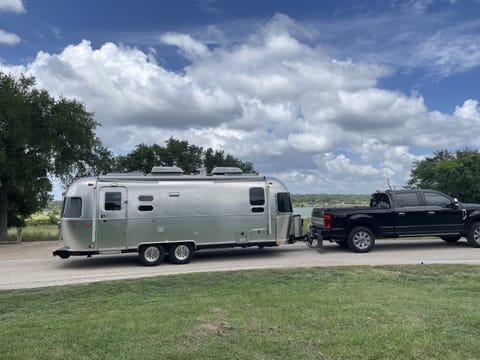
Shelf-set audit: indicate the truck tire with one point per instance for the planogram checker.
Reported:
(361, 239)
(473, 237)
(151, 255)
(180, 253)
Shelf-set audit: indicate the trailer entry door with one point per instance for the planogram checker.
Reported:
(112, 218)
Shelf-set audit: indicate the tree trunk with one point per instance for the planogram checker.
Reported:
(3, 213)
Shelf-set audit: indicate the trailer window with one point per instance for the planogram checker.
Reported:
(257, 196)
(113, 201)
(72, 207)
(145, 198)
(284, 203)
(145, 208)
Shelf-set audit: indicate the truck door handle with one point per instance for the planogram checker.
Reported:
(401, 214)
(431, 213)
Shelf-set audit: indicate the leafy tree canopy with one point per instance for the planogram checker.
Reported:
(40, 136)
(190, 158)
(454, 173)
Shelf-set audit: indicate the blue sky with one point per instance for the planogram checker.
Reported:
(329, 96)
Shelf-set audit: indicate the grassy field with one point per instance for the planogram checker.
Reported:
(390, 312)
(35, 233)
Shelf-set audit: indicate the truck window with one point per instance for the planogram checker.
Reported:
(72, 207)
(434, 199)
(284, 203)
(113, 201)
(407, 199)
(257, 196)
(380, 201)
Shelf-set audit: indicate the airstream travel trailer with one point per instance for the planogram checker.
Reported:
(167, 212)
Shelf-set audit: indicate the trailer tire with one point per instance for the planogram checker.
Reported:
(473, 237)
(180, 253)
(151, 255)
(361, 239)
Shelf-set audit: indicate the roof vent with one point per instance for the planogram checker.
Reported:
(166, 170)
(222, 170)
(131, 173)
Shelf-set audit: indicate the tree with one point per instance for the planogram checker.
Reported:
(40, 136)
(454, 173)
(218, 158)
(190, 158)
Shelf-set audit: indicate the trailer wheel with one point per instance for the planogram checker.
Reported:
(151, 255)
(473, 237)
(361, 239)
(180, 253)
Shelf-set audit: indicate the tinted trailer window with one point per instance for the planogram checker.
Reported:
(284, 203)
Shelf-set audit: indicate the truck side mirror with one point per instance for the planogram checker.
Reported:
(456, 203)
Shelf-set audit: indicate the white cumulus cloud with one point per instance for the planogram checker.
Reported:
(12, 6)
(9, 38)
(319, 123)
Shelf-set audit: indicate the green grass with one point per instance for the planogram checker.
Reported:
(389, 312)
(35, 233)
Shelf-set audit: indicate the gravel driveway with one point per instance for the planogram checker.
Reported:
(31, 264)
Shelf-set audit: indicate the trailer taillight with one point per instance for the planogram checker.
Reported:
(327, 221)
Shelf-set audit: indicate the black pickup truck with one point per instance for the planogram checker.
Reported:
(396, 213)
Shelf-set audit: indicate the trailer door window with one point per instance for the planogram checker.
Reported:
(284, 203)
(113, 201)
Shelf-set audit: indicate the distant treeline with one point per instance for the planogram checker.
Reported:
(307, 200)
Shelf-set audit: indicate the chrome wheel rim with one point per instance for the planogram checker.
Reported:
(362, 240)
(476, 235)
(152, 254)
(182, 252)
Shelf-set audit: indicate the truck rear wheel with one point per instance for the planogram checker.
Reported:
(180, 253)
(473, 237)
(361, 239)
(151, 255)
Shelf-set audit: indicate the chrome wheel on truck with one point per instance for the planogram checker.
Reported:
(180, 253)
(151, 255)
(361, 239)
(473, 237)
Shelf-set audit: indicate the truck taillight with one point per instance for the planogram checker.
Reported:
(327, 221)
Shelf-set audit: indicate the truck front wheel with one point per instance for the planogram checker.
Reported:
(361, 239)
(473, 237)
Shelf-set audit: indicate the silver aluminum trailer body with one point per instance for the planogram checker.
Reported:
(154, 215)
